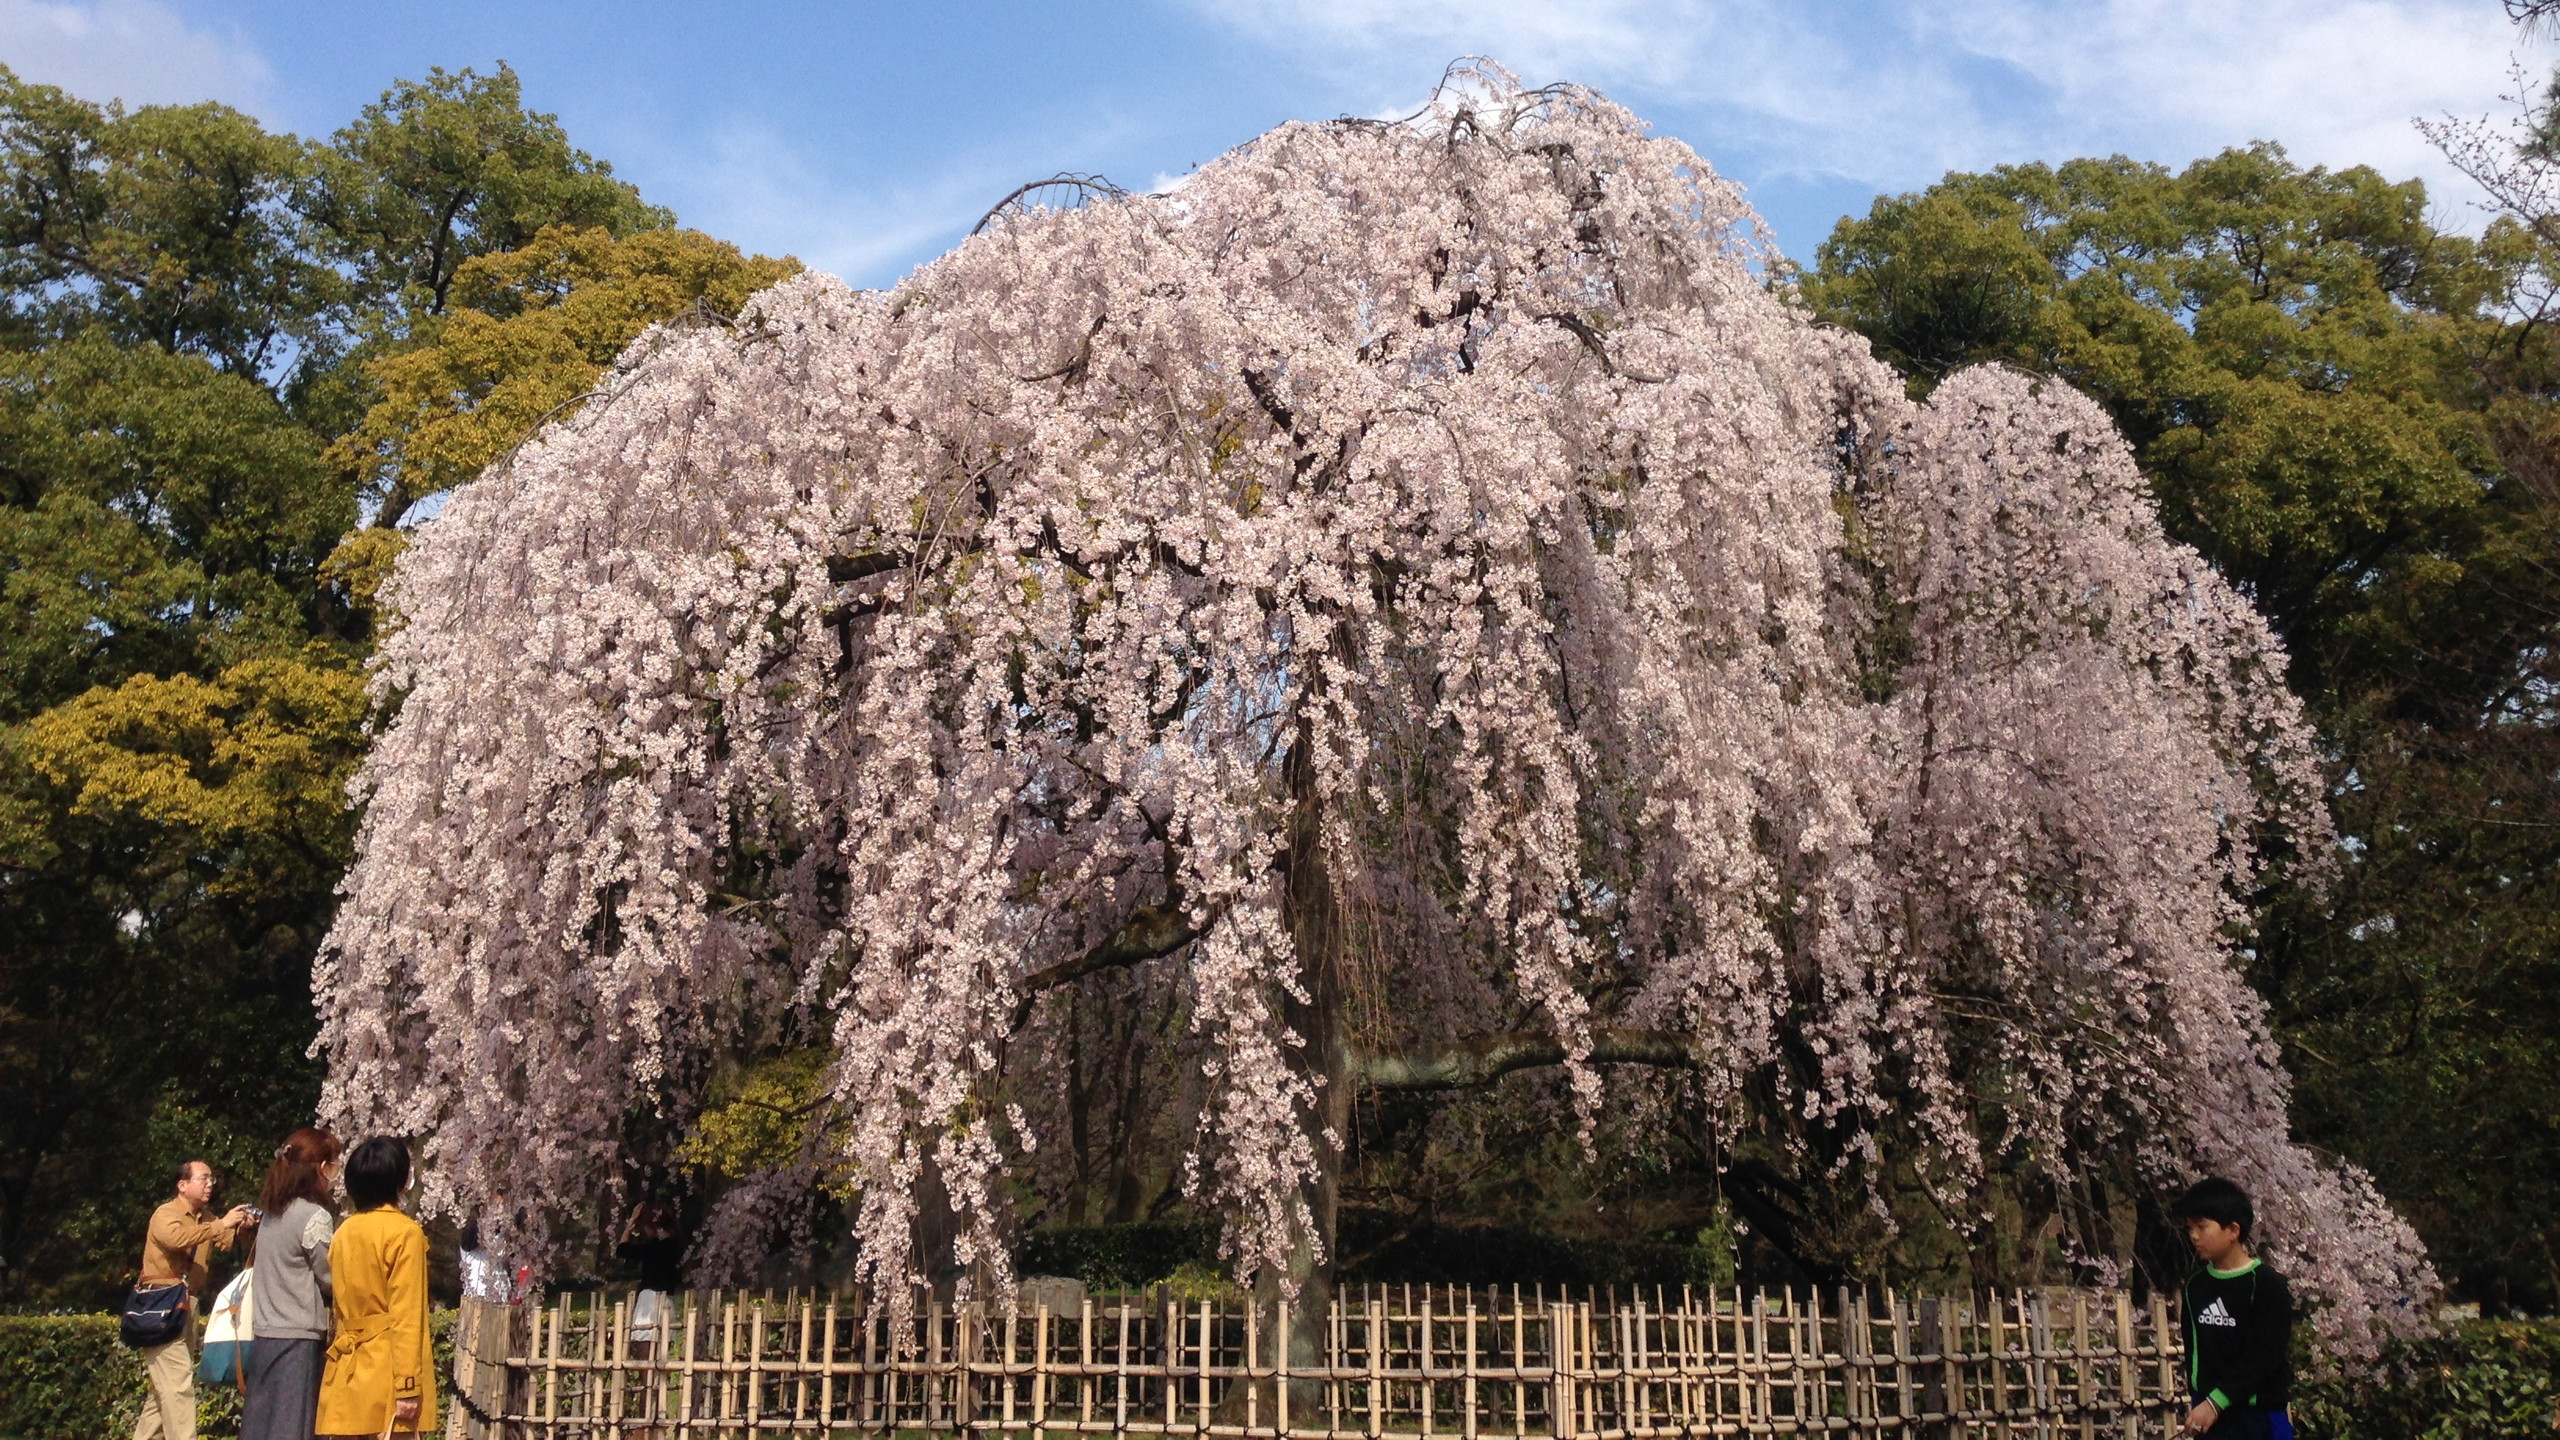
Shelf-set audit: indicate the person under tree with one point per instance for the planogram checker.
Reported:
(2239, 1318)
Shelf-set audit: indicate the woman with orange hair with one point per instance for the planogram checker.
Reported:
(289, 1290)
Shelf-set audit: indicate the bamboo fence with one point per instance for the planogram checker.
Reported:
(1399, 1363)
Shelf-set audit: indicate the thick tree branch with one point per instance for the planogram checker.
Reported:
(1487, 1058)
(1152, 933)
(1591, 340)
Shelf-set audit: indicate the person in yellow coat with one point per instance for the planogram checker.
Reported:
(380, 1375)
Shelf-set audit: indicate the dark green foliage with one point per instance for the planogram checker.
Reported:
(168, 226)
(1117, 1257)
(70, 1378)
(2291, 352)
(441, 170)
(158, 518)
(2481, 1380)
(156, 515)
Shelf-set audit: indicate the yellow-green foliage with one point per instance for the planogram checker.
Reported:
(528, 333)
(362, 562)
(756, 1120)
(261, 752)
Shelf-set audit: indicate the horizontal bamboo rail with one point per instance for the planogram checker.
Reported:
(1399, 1363)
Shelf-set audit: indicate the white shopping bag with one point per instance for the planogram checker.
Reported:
(227, 1333)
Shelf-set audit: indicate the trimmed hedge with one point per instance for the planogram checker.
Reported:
(1117, 1257)
(70, 1377)
(1378, 1246)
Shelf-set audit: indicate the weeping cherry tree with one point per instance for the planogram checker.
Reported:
(1417, 594)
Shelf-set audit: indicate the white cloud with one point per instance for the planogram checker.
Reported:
(769, 191)
(1892, 93)
(137, 51)
(756, 189)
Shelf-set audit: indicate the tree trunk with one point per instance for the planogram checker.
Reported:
(1315, 929)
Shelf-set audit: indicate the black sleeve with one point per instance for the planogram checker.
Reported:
(2187, 1325)
(2266, 1347)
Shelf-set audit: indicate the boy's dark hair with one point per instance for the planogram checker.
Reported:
(2216, 1199)
(378, 1171)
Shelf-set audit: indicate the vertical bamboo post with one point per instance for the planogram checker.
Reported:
(1468, 1386)
(1953, 1312)
(2128, 1382)
(1281, 1367)
(2166, 1367)
(1120, 1375)
(804, 1311)
(1559, 1372)
(1626, 1332)
(964, 1354)
(1252, 1365)
(607, 1406)
(755, 1361)
(1810, 1374)
(1425, 1367)
(1086, 1382)
(1003, 1329)
(722, 1382)
(1764, 1395)
(2083, 1355)
(1847, 1324)
(1901, 1318)
(827, 1368)
(684, 1374)
(551, 1367)
(1377, 1376)
(1043, 1371)
(874, 1387)
(1200, 1372)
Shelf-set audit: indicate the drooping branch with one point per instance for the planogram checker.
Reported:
(1487, 1058)
(1591, 340)
(1152, 933)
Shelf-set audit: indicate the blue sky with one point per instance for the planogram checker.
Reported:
(865, 137)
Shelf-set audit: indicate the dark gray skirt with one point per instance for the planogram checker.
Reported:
(284, 1388)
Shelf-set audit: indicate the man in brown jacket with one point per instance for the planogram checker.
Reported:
(180, 1239)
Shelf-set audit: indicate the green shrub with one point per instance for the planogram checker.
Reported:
(2480, 1380)
(1384, 1248)
(70, 1377)
(1118, 1257)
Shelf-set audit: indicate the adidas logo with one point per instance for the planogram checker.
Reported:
(2214, 1314)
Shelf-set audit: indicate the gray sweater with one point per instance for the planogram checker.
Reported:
(289, 1288)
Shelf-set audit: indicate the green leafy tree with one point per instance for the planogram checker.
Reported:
(441, 170)
(2350, 413)
(179, 707)
(192, 313)
(169, 226)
